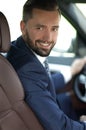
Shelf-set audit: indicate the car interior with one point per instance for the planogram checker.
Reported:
(14, 112)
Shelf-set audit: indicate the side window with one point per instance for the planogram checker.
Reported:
(65, 40)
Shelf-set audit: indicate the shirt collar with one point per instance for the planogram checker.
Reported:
(40, 58)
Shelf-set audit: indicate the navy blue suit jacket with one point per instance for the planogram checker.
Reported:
(39, 91)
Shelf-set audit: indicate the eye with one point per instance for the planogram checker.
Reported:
(40, 28)
(55, 29)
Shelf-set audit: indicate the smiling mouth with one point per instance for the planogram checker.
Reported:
(44, 44)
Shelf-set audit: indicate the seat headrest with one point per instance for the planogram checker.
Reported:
(4, 34)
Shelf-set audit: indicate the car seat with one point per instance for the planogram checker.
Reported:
(14, 112)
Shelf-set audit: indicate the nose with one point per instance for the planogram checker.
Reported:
(47, 35)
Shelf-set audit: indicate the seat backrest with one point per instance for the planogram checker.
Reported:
(14, 112)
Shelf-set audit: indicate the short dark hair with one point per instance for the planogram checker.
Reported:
(49, 5)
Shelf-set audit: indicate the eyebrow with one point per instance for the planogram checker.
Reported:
(37, 25)
(56, 26)
(41, 25)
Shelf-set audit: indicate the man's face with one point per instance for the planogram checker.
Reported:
(40, 32)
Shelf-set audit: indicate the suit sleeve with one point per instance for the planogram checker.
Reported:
(43, 104)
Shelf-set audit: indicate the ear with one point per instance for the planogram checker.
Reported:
(23, 27)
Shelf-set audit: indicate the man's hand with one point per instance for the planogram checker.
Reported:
(83, 118)
(77, 65)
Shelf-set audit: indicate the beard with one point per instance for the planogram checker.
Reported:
(33, 45)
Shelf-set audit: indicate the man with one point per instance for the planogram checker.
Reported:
(39, 27)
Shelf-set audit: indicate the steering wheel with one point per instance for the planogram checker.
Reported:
(79, 85)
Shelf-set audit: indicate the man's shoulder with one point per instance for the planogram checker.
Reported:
(18, 47)
(20, 55)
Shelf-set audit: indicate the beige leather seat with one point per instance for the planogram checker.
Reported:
(14, 112)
